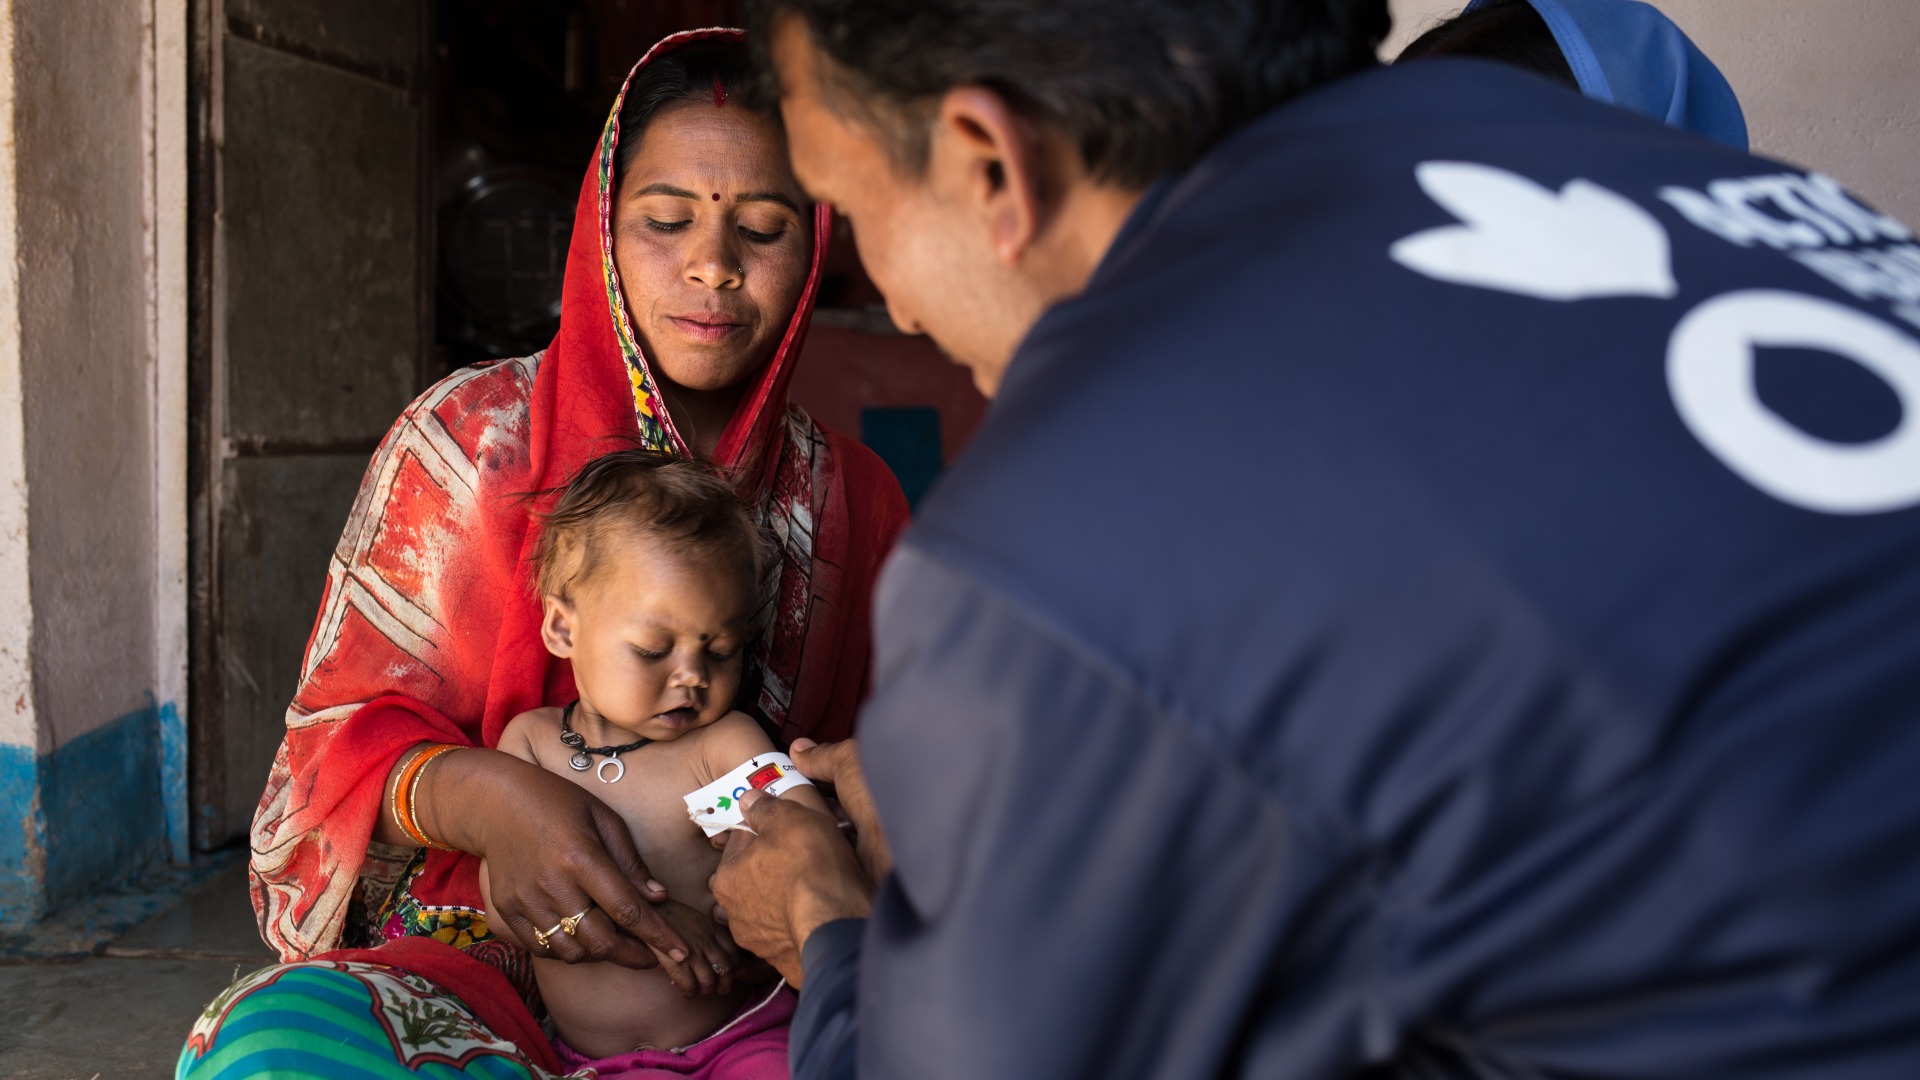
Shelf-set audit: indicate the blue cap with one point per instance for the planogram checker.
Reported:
(1626, 53)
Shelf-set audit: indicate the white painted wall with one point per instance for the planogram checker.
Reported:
(83, 96)
(93, 427)
(17, 726)
(1827, 84)
(93, 226)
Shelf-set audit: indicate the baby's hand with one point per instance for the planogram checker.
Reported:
(711, 953)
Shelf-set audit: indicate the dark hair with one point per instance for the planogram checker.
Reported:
(687, 73)
(1143, 87)
(1509, 31)
(677, 500)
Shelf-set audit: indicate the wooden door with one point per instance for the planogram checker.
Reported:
(310, 331)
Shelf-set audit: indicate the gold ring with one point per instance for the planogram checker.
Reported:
(572, 922)
(541, 936)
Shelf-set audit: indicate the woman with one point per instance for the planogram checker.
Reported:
(1621, 52)
(692, 273)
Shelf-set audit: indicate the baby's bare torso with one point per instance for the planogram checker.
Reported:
(602, 1009)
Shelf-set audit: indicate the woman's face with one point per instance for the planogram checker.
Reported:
(712, 237)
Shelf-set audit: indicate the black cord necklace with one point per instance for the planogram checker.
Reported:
(583, 754)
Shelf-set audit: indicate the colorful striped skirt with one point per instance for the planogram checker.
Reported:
(345, 1020)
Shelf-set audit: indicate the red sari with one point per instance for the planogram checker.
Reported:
(428, 630)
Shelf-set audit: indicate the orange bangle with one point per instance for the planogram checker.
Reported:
(404, 791)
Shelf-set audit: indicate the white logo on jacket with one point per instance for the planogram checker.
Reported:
(1586, 242)
(1580, 243)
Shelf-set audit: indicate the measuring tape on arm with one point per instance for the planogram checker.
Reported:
(716, 807)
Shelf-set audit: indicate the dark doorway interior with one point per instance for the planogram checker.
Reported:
(521, 92)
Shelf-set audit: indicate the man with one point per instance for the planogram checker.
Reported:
(1436, 595)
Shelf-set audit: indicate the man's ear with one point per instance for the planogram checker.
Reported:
(556, 626)
(999, 162)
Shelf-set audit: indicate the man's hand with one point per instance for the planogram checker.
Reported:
(837, 765)
(779, 886)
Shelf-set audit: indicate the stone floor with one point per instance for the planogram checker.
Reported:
(124, 1011)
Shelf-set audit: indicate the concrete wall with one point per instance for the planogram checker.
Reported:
(87, 368)
(90, 663)
(17, 726)
(1828, 85)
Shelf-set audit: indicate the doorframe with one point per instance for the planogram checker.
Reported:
(206, 722)
(170, 180)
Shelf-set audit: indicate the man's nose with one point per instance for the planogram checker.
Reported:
(902, 321)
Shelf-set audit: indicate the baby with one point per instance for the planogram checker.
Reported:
(649, 576)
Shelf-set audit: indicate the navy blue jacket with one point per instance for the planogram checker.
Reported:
(1360, 640)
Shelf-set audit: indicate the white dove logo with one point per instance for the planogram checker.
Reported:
(1580, 243)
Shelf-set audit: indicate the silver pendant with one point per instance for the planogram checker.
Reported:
(580, 761)
(619, 770)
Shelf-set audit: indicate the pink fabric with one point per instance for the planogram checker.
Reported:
(751, 1046)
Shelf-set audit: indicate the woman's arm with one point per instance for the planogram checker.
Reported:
(513, 742)
(384, 670)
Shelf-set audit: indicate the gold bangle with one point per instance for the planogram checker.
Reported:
(413, 789)
(393, 806)
(406, 791)
(400, 816)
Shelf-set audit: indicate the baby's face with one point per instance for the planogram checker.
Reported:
(656, 636)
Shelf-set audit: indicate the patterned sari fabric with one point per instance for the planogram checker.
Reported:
(348, 1016)
(353, 1018)
(428, 629)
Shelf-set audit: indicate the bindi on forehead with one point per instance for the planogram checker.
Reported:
(716, 196)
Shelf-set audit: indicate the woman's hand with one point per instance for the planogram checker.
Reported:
(554, 851)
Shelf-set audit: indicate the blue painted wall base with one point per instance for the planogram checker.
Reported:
(23, 837)
(91, 813)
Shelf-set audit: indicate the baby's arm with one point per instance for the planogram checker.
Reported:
(734, 738)
(517, 737)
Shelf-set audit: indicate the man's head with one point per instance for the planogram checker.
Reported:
(987, 151)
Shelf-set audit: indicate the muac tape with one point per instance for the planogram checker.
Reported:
(716, 807)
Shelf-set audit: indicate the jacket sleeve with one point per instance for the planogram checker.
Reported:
(386, 666)
(1062, 836)
(821, 1038)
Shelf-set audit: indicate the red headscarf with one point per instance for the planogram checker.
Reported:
(595, 383)
(429, 629)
